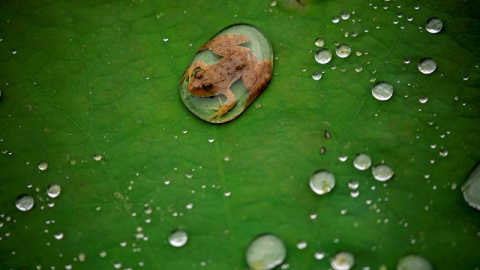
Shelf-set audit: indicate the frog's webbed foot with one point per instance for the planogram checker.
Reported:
(224, 45)
(224, 107)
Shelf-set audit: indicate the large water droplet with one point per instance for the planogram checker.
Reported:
(178, 238)
(362, 162)
(414, 262)
(343, 50)
(382, 91)
(382, 172)
(53, 190)
(471, 188)
(266, 252)
(323, 56)
(434, 25)
(322, 182)
(427, 65)
(343, 261)
(24, 202)
(42, 166)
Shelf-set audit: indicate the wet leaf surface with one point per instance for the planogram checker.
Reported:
(83, 79)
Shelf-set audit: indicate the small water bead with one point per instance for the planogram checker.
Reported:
(178, 238)
(266, 252)
(335, 19)
(53, 190)
(343, 158)
(24, 202)
(42, 166)
(382, 172)
(302, 244)
(414, 262)
(362, 162)
(354, 193)
(317, 75)
(471, 188)
(322, 182)
(58, 235)
(343, 261)
(97, 157)
(211, 140)
(319, 255)
(423, 99)
(343, 50)
(434, 25)
(323, 56)
(353, 184)
(443, 153)
(319, 42)
(345, 15)
(382, 91)
(427, 65)
(358, 68)
(407, 61)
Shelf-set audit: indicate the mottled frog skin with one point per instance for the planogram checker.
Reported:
(236, 62)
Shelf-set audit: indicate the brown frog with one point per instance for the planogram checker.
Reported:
(236, 62)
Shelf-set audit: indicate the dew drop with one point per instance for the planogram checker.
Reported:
(423, 99)
(382, 172)
(24, 202)
(443, 153)
(407, 61)
(319, 255)
(343, 50)
(53, 190)
(323, 56)
(97, 157)
(353, 184)
(42, 166)
(382, 91)
(414, 262)
(302, 244)
(343, 261)
(265, 252)
(434, 25)
(362, 162)
(211, 140)
(58, 235)
(345, 15)
(354, 193)
(165, 39)
(343, 158)
(427, 65)
(319, 42)
(322, 182)
(335, 19)
(178, 238)
(317, 75)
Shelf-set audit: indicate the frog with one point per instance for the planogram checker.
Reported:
(237, 62)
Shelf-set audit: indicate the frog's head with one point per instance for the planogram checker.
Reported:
(200, 84)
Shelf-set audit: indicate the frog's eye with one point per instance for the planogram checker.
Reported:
(207, 86)
(198, 74)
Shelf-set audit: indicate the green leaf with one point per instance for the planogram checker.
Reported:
(82, 78)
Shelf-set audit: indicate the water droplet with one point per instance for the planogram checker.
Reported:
(327, 134)
(358, 68)
(382, 172)
(382, 91)
(302, 244)
(423, 99)
(317, 75)
(58, 235)
(319, 255)
(97, 157)
(345, 15)
(443, 153)
(42, 166)
(434, 25)
(14, 52)
(407, 61)
(353, 184)
(343, 50)
(354, 193)
(102, 254)
(178, 238)
(343, 261)
(53, 190)
(319, 42)
(414, 262)
(471, 188)
(335, 19)
(362, 162)
(273, 3)
(343, 158)
(24, 202)
(427, 65)
(211, 140)
(165, 39)
(322, 182)
(323, 56)
(266, 252)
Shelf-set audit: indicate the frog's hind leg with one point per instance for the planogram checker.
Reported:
(224, 45)
(256, 79)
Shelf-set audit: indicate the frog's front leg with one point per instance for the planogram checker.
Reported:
(191, 70)
(224, 107)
